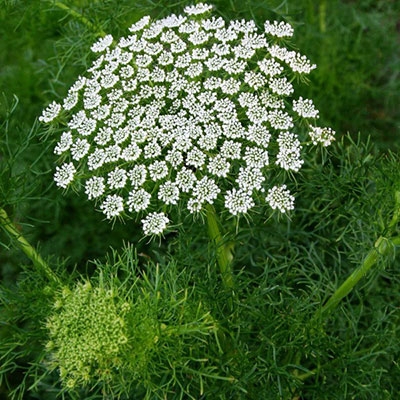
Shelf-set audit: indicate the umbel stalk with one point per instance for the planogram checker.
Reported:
(24, 245)
(223, 251)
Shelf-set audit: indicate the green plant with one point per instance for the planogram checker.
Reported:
(264, 306)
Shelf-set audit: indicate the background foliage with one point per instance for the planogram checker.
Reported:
(285, 268)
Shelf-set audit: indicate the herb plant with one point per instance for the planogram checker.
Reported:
(253, 249)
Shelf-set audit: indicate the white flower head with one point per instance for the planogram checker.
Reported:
(155, 223)
(324, 136)
(278, 29)
(112, 206)
(280, 198)
(305, 108)
(50, 113)
(187, 110)
(64, 175)
(199, 8)
(102, 44)
(94, 187)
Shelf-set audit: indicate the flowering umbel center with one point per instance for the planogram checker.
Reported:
(188, 110)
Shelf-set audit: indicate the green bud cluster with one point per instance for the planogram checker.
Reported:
(87, 333)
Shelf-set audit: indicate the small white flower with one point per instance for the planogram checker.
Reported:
(109, 80)
(79, 149)
(289, 157)
(158, 170)
(112, 153)
(112, 206)
(64, 143)
(259, 134)
(64, 175)
(138, 200)
(206, 190)
(50, 113)
(256, 157)
(96, 159)
(174, 157)
(213, 24)
(218, 166)
(194, 205)
(71, 100)
(138, 175)
(117, 178)
(280, 120)
(238, 201)
(200, 53)
(139, 25)
(94, 187)
(178, 47)
(254, 80)
(101, 112)
(281, 29)
(279, 197)
(270, 67)
(231, 150)
(199, 8)
(102, 44)
(185, 179)
(244, 52)
(271, 100)
(165, 58)
(78, 85)
(250, 178)
(281, 53)
(281, 86)
(324, 136)
(230, 86)
(300, 63)
(198, 37)
(168, 193)
(195, 158)
(103, 135)
(152, 150)
(155, 223)
(305, 108)
(131, 152)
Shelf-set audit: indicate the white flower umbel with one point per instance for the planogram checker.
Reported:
(279, 197)
(64, 175)
(324, 136)
(50, 113)
(187, 110)
(155, 223)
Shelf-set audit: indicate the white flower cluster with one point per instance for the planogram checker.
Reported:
(187, 109)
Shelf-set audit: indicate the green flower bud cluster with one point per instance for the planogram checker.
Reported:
(138, 334)
(87, 334)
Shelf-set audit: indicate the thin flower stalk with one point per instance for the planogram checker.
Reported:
(383, 247)
(223, 251)
(79, 17)
(26, 247)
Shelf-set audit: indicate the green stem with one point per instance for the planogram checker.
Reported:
(79, 17)
(382, 247)
(23, 244)
(223, 251)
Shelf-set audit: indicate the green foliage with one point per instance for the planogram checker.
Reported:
(154, 320)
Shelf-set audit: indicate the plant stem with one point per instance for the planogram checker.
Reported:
(382, 247)
(223, 251)
(79, 17)
(23, 244)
